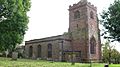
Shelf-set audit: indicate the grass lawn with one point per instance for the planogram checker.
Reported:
(6, 62)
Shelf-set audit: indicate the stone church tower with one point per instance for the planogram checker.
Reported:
(81, 43)
(83, 26)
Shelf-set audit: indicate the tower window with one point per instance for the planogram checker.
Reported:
(91, 15)
(92, 45)
(76, 14)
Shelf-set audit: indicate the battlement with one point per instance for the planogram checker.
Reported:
(82, 3)
(91, 5)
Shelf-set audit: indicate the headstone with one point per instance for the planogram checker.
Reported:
(73, 59)
(14, 55)
(6, 52)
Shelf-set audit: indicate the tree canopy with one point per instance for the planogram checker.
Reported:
(12, 29)
(111, 21)
(110, 54)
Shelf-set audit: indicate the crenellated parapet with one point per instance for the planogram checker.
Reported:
(92, 6)
(82, 3)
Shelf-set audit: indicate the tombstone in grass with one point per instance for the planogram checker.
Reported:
(6, 53)
(73, 59)
(14, 55)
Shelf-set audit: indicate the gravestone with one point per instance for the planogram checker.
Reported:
(14, 55)
(6, 53)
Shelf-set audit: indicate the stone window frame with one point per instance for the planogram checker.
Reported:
(49, 50)
(91, 15)
(92, 45)
(39, 49)
(30, 51)
(76, 14)
(77, 26)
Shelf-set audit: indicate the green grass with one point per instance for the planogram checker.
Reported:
(7, 62)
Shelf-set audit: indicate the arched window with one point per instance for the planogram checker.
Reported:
(30, 51)
(49, 50)
(76, 14)
(39, 50)
(91, 15)
(92, 45)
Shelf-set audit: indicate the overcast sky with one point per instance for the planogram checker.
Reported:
(51, 17)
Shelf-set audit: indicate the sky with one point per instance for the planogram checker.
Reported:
(51, 17)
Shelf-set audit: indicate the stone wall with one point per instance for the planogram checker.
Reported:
(56, 47)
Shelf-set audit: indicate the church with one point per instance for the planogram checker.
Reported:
(80, 44)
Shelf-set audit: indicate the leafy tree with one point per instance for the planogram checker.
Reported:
(12, 29)
(110, 54)
(115, 56)
(106, 52)
(111, 21)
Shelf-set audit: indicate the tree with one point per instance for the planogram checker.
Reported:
(110, 54)
(115, 56)
(106, 52)
(12, 30)
(111, 21)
